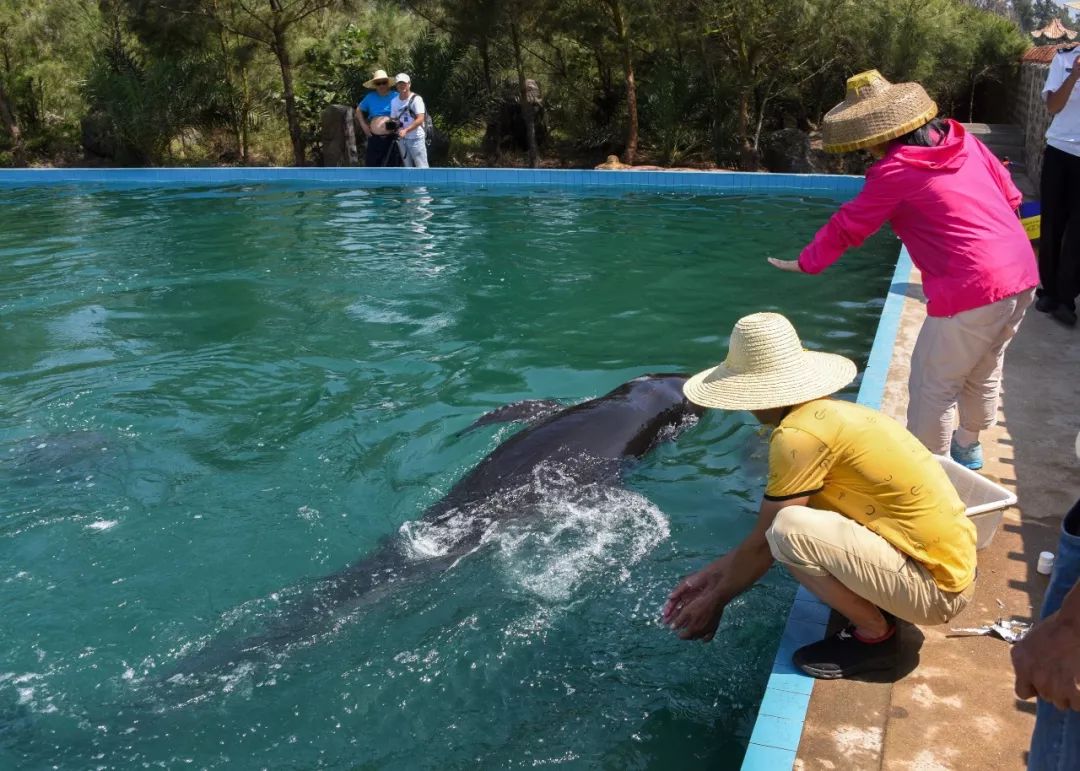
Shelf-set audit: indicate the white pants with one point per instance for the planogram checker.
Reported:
(413, 150)
(957, 362)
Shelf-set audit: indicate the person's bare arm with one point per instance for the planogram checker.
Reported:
(695, 606)
(363, 123)
(1056, 100)
(1047, 661)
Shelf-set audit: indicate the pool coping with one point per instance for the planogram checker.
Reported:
(778, 728)
(714, 181)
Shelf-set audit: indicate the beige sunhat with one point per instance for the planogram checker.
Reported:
(767, 367)
(875, 111)
(378, 75)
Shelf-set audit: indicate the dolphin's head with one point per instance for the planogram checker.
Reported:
(661, 407)
(664, 391)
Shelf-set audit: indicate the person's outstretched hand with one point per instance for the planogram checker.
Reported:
(693, 608)
(1047, 662)
(792, 266)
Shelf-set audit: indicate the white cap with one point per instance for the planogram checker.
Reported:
(402, 78)
(1046, 563)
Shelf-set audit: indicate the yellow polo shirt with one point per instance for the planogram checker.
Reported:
(863, 464)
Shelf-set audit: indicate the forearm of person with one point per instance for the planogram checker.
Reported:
(1056, 100)
(417, 121)
(856, 220)
(363, 123)
(745, 565)
(752, 558)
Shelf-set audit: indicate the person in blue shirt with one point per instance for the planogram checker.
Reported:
(372, 114)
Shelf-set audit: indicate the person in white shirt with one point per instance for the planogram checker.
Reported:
(409, 111)
(1059, 235)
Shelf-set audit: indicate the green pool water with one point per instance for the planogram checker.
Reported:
(213, 397)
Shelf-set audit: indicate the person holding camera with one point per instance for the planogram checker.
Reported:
(407, 110)
(373, 115)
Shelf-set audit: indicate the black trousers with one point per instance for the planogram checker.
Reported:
(382, 151)
(1059, 234)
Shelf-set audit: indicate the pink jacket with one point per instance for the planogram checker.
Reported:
(953, 206)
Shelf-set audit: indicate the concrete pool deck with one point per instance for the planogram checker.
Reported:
(951, 704)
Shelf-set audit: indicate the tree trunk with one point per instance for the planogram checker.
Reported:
(747, 156)
(485, 58)
(631, 88)
(526, 105)
(8, 120)
(281, 49)
(245, 117)
(236, 114)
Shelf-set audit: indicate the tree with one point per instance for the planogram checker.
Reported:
(272, 24)
(44, 49)
(11, 123)
(516, 17)
(622, 33)
(770, 50)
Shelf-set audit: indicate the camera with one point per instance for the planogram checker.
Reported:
(392, 125)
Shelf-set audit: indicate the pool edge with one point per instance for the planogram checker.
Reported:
(740, 183)
(774, 740)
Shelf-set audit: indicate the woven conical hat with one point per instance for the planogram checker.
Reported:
(875, 111)
(767, 367)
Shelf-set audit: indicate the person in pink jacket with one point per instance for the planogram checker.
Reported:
(953, 204)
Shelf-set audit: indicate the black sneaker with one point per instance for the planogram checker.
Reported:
(1045, 303)
(1065, 315)
(844, 655)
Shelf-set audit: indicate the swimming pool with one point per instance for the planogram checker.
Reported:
(216, 395)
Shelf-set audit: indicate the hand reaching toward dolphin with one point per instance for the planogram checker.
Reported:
(695, 606)
(791, 266)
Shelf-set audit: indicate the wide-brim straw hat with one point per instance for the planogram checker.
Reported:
(378, 75)
(875, 111)
(768, 367)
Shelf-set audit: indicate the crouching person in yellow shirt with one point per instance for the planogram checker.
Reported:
(855, 507)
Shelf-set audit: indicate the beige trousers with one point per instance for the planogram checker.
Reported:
(957, 361)
(820, 542)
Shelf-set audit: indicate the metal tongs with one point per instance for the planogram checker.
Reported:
(1008, 629)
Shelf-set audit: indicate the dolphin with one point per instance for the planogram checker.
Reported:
(583, 445)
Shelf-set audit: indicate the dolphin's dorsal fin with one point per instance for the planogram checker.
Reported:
(528, 411)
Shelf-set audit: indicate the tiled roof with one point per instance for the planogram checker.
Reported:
(1040, 54)
(1055, 30)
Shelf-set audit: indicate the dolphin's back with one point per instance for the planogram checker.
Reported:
(587, 442)
(589, 439)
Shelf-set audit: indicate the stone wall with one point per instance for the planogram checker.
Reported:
(338, 136)
(1030, 113)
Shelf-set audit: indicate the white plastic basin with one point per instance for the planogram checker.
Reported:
(986, 501)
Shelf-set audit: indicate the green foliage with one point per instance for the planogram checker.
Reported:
(204, 78)
(674, 105)
(45, 49)
(145, 101)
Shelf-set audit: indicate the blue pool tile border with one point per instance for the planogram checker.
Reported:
(774, 740)
(741, 183)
